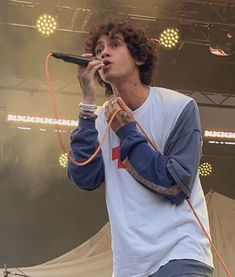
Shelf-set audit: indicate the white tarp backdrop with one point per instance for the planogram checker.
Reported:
(222, 221)
(94, 257)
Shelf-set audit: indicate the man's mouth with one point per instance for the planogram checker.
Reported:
(107, 64)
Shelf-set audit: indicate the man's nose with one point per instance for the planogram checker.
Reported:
(105, 53)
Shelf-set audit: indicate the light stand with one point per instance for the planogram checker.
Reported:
(6, 273)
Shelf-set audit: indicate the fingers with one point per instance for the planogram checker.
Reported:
(123, 105)
(87, 55)
(86, 77)
(112, 102)
(106, 112)
(117, 103)
(94, 66)
(90, 69)
(122, 117)
(110, 108)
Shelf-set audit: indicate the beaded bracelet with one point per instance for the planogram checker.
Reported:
(87, 107)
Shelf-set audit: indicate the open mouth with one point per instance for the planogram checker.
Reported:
(106, 63)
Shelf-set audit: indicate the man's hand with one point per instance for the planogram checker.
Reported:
(124, 116)
(86, 79)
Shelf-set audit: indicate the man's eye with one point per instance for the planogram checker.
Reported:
(116, 44)
(98, 51)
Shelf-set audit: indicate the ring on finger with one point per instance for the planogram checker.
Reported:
(113, 102)
(123, 115)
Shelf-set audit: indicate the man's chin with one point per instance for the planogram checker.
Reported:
(107, 78)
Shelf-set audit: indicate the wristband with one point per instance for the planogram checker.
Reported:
(87, 116)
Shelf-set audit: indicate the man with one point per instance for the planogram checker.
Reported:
(154, 232)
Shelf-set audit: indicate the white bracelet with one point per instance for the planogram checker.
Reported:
(87, 110)
(88, 107)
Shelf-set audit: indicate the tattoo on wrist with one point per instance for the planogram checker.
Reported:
(84, 82)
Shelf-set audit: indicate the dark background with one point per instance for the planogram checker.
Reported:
(42, 215)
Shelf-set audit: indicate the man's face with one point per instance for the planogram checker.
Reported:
(118, 62)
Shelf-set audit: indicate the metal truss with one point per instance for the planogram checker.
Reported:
(26, 84)
(211, 98)
(76, 17)
(32, 85)
(194, 16)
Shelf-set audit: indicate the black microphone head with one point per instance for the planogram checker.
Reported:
(58, 55)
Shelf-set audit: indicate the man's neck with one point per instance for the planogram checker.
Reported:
(133, 94)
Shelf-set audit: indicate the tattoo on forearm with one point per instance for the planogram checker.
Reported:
(84, 83)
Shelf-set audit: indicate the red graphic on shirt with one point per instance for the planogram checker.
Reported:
(116, 156)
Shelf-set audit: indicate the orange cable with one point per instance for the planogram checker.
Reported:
(55, 110)
(100, 143)
(53, 102)
(210, 240)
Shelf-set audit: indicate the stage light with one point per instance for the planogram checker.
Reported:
(46, 25)
(169, 38)
(63, 160)
(205, 169)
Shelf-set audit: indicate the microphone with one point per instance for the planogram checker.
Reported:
(73, 58)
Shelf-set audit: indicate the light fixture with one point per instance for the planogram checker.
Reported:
(63, 160)
(46, 25)
(42, 120)
(169, 38)
(221, 142)
(219, 134)
(205, 169)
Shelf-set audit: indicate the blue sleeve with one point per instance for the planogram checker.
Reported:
(184, 148)
(157, 171)
(84, 142)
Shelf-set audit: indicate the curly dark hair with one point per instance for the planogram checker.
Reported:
(141, 48)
